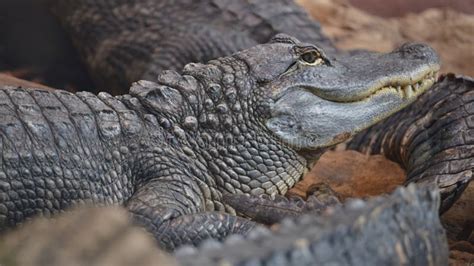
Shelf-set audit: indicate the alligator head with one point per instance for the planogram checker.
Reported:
(261, 116)
(318, 99)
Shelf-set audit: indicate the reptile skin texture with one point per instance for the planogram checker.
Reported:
(145, 150)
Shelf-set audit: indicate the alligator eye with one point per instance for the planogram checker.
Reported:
(312, 58)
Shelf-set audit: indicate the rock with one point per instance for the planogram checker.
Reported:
(353, 174)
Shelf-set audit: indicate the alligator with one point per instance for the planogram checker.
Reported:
(245, 123)
(125, 41)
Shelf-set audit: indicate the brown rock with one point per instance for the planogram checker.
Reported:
(459, 258)
(353, 174)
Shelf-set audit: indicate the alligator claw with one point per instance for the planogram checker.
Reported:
(265, 210)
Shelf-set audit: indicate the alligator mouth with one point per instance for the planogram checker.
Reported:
(405, 89)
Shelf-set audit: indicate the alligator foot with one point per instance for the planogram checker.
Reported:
(433, 139)
(270, 210)
(169, 214)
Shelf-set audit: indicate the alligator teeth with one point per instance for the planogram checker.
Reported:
(409, 91)
(399, 90)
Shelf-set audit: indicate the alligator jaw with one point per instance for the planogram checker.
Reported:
(406, 88)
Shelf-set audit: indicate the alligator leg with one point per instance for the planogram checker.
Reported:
(433, 139)
(267, 210)
(173, 213)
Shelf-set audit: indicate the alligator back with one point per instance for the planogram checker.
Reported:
(60, 149)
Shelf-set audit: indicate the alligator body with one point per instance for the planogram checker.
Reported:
(171, 148)
(125, 41)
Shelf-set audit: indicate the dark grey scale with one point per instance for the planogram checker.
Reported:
(73, 164)
(84, 121)
(131, 123)
(107, 120)
(23, 169)
(64, 131)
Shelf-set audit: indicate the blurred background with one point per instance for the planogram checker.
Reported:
(395, 8)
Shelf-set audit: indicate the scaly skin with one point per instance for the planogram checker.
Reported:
(216, 28)
(169, 150)
(271, 210)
